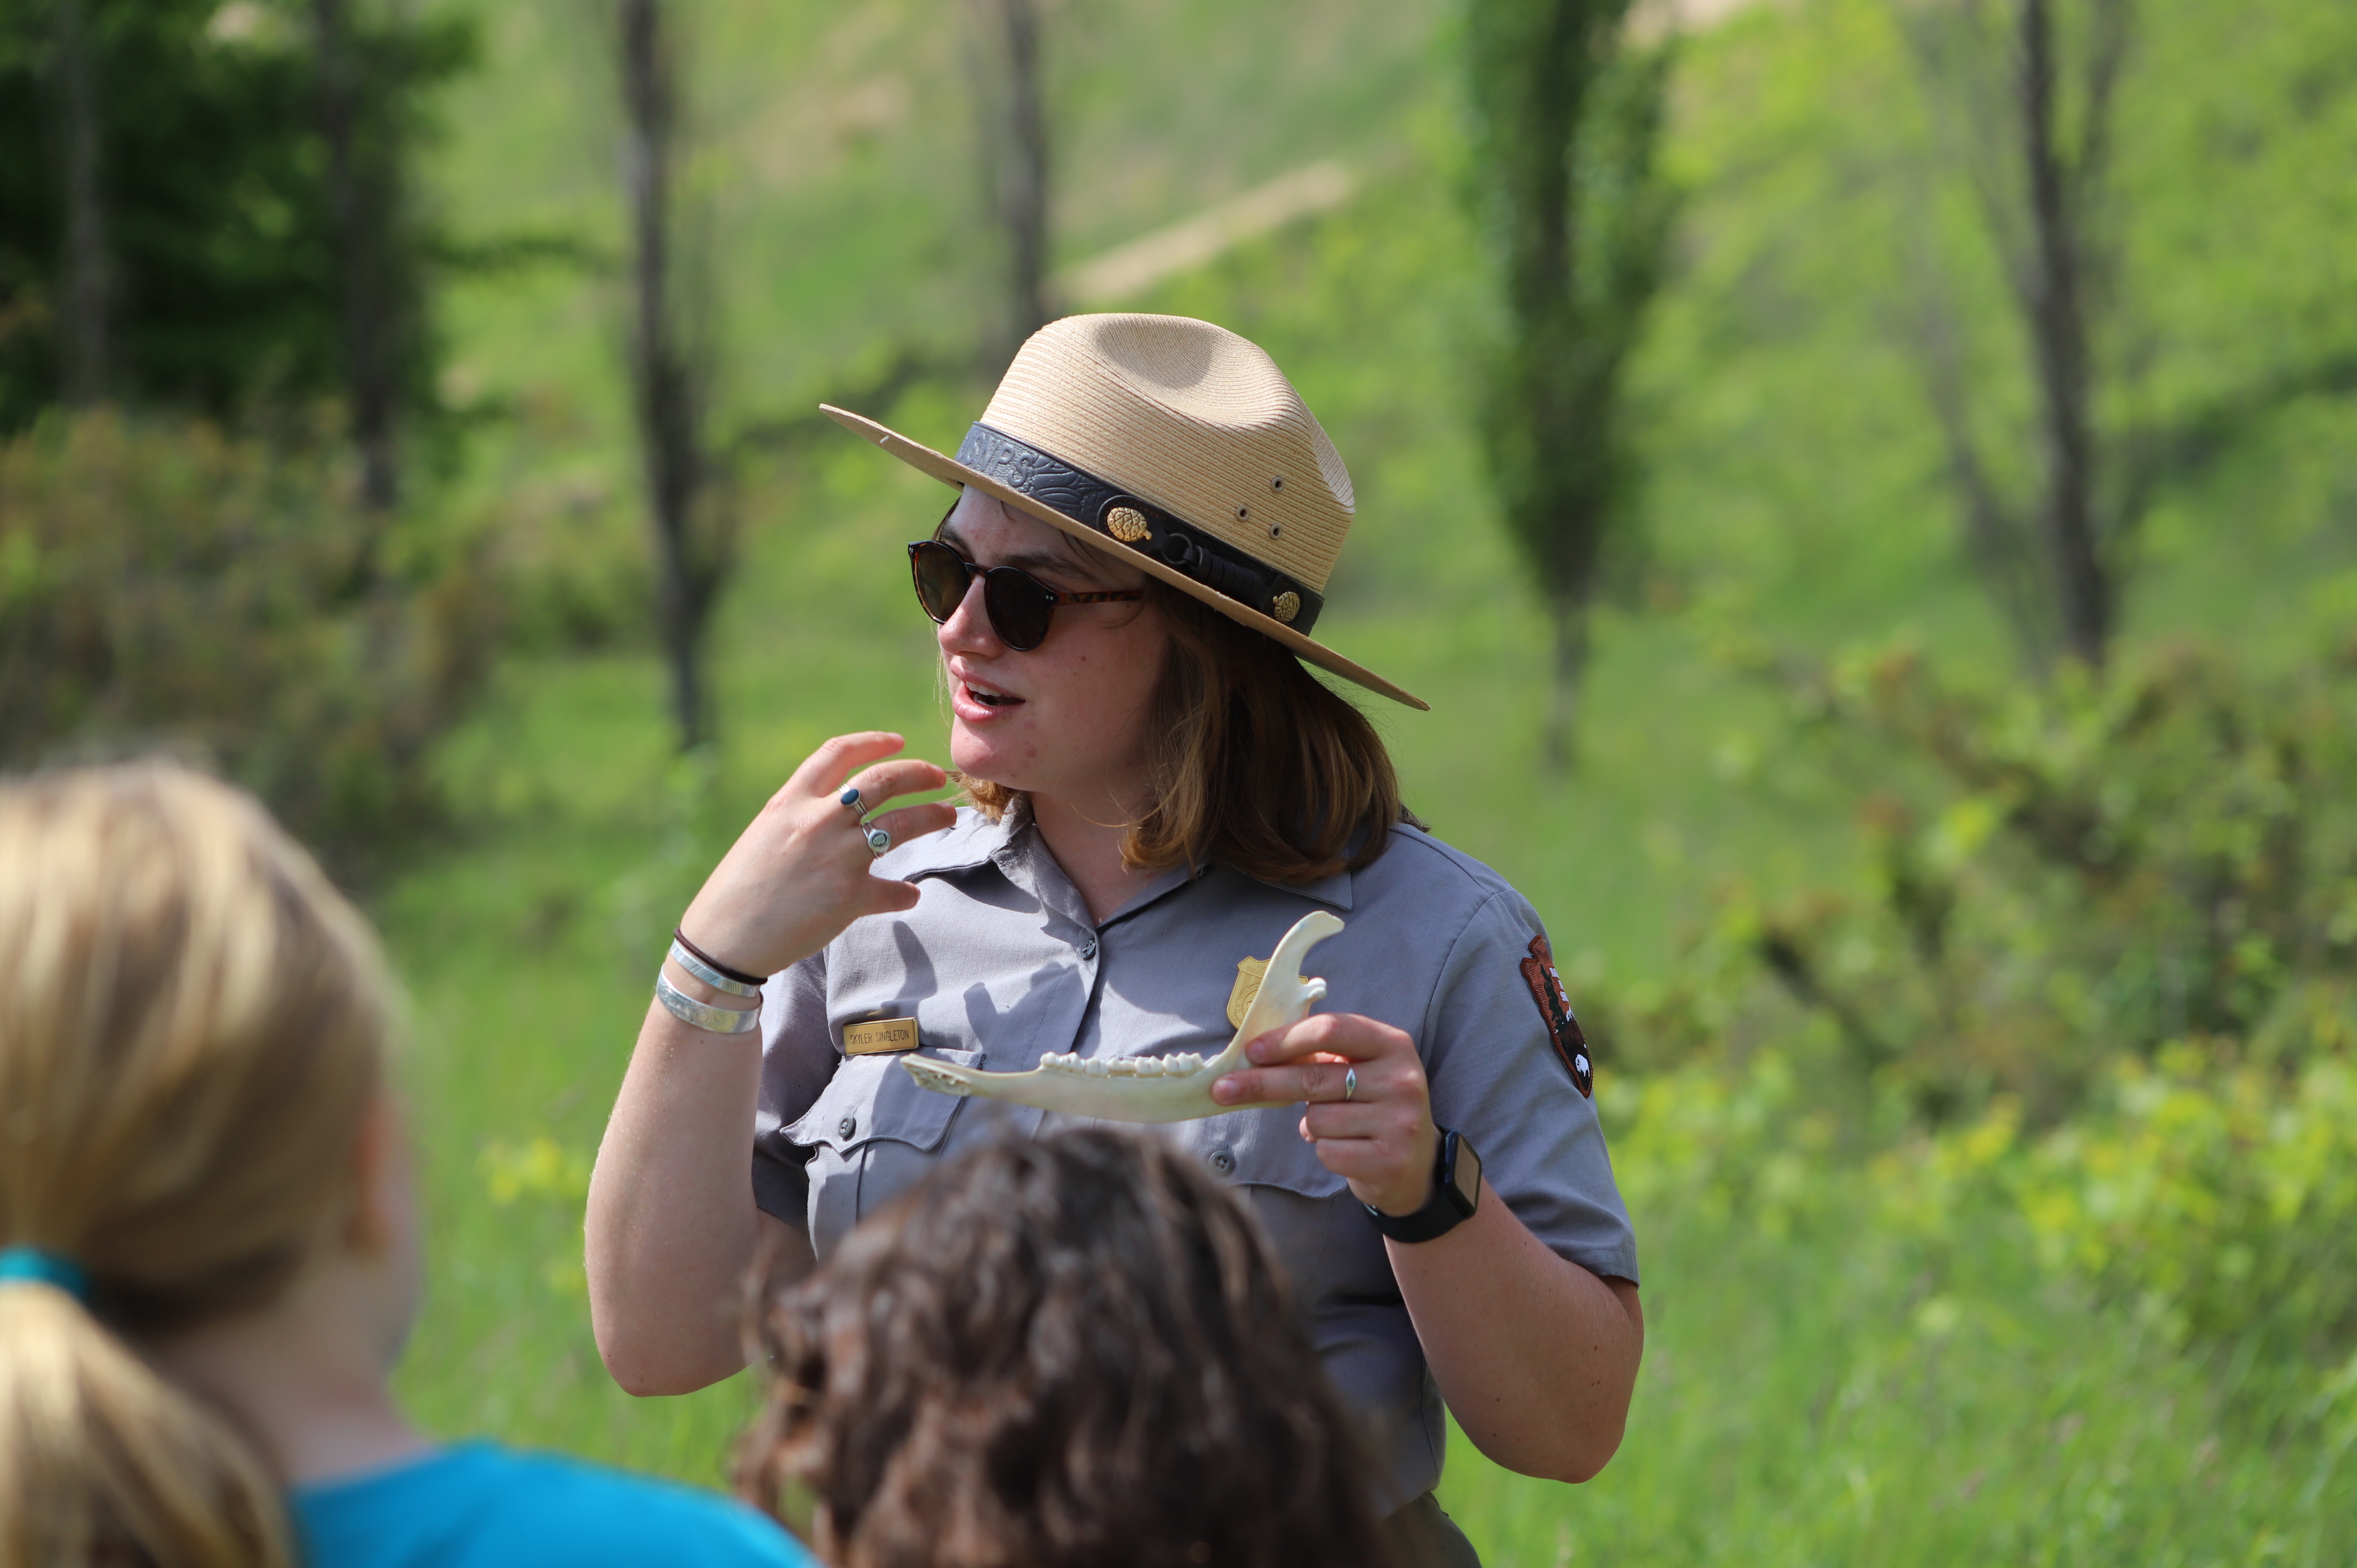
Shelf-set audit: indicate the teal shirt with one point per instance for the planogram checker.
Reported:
(476, 1504)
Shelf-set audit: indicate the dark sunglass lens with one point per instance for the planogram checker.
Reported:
(941, 578)
(1019, 608)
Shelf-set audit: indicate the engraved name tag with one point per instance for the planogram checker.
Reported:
(879, 1034)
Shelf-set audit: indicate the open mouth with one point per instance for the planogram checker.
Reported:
(990, 699)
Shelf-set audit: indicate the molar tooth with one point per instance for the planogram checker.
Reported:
(1097, 1067)
(1122, 1067)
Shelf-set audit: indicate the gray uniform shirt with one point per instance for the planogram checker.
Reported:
(999, 963)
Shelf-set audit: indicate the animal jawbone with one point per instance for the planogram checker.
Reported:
(1150, 1089)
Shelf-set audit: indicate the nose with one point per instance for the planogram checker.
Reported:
(968, 630)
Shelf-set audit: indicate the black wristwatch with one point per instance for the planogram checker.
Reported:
(1455, 1188)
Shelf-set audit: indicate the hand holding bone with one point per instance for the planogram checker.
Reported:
(1381, 1138)
(1152, 1089)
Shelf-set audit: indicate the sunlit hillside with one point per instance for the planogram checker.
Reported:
(1816, 1390)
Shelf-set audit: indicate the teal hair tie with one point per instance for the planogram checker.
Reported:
(43, 1267)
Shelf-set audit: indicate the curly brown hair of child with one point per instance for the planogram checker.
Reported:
(1066, 1353)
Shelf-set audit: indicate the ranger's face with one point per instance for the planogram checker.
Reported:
(1065, 721)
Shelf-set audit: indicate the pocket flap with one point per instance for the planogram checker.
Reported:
(871, 1097)
(1261, 1148)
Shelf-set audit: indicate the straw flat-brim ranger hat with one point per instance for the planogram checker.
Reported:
(1174, 446)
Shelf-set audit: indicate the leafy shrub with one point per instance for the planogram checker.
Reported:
(164, 586)
(2219, 1197)
(2098, 989)
(2225, 1193)
(2060, 875)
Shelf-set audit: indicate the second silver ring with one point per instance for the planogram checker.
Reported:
(1350, 1084)
(878, 841)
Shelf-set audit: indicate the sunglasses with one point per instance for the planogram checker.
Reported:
(1018, 604)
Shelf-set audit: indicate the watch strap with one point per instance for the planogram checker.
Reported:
(1442, 1212)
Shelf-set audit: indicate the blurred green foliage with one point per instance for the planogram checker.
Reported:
(1832, 1374)
(1568, 115)
(2044, 1274)
(213, 180)
(164, 584)
(2218, 1196)
(2054, 875)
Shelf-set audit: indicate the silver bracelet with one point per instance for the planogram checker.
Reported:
(707, 973)
(703, 1015)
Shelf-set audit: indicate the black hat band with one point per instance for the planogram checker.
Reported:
(1141, 526)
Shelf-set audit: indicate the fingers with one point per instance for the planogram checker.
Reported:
(1333, 1119)
(1345, 1035)
(1377, 1163)
(915, 822)
(1287, 1085)
(888, 895)
(907, 775)
(823, 771)
(1311, 1061)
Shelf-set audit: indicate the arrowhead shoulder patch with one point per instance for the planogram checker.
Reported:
(1554, 1009)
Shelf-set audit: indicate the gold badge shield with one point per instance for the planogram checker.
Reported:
(1248, 974)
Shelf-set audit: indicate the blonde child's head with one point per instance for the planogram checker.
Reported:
(193, 1029)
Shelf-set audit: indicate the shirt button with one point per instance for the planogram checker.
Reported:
(847, 1126)
(1089, 948)
(1224, 1162)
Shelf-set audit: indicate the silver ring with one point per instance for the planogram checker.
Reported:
(851, 797)
(1350, 1084)
(878, 841)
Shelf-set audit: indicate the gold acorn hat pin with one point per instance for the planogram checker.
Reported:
(1178, 446)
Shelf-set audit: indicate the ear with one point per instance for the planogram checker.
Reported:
(381, 1195)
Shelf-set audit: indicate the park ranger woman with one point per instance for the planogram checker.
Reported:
(1125, 593)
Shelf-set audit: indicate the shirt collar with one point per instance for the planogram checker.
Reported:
(1332, 891)
(976, 840)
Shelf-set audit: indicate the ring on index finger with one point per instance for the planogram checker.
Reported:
(1350, 1084)
(851, 797)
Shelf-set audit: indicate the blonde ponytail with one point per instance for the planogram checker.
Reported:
(103, 1462)
(192, 1025)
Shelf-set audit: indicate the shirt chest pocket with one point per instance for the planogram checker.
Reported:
(872, 1099)
(1261, 1148)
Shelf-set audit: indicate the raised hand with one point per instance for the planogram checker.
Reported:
(802, 870)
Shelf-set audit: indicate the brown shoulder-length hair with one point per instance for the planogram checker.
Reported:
(1072, 1353)
(1256, 762)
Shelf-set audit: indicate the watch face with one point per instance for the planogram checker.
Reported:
(1467, 1177)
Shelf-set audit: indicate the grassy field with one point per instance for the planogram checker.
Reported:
(1817, 1389)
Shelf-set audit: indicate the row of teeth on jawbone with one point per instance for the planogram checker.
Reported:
(1178, 1066)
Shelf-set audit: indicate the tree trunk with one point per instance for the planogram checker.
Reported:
(88, 283)
(356, 205)
(1023, 171)
(663, 383)
(2053, 298)
(1569, 614)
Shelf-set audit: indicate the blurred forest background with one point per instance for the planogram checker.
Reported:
(1868, 486)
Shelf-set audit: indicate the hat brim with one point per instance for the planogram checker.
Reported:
(950, 471)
